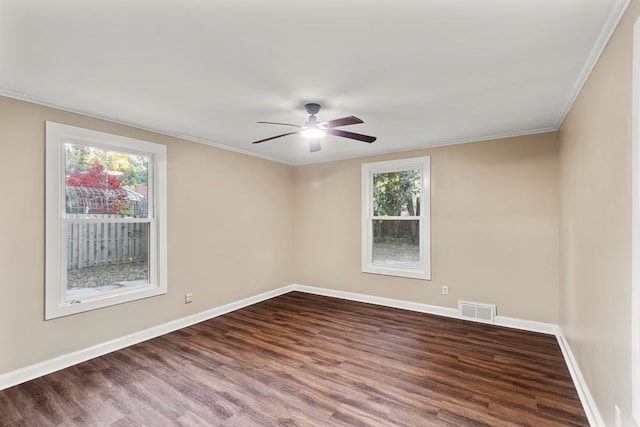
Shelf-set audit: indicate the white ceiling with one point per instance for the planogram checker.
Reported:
(419, 73)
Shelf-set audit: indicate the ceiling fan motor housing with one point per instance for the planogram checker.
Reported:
(312, 108)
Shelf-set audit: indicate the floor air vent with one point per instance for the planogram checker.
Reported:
(475, 311)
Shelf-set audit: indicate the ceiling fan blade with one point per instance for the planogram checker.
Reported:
(351, 135)
(344, 121)
(274, 137)
(278, 123)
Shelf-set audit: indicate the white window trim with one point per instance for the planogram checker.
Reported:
(56, 136)
(635, 227)
(368, 170)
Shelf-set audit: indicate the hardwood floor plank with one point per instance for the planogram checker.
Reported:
(308, 360)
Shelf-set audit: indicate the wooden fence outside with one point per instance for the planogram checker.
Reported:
(94, 244)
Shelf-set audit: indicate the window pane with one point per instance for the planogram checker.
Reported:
(106, 257)
(396, 243)
(397, 193)
(102, 182)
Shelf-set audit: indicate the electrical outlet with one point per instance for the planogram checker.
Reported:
(445, 290)
(188, 297)
(618, 415)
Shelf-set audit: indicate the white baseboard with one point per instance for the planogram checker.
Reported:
(589, 405)
(49, 366)
(387, 302)
(27, 373)
(527, 325)
(509, 322)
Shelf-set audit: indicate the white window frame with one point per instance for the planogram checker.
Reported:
(635, 227)
(368, 170)
(57, 135)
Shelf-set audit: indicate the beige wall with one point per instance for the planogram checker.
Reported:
(229, 236)
(595, 284)
(494, 210)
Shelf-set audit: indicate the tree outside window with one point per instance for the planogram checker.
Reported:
(396, 194)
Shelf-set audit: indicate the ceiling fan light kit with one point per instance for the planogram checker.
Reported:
(314, 130)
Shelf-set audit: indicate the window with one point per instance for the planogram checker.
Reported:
(105, 220)
(396, 218)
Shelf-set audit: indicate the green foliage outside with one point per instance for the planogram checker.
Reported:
(396, 194)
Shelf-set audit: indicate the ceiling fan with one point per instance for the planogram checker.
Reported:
(314, 130)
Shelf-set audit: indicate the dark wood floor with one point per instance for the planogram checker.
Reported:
(307, 360)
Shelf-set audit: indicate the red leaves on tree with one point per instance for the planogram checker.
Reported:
(111, 201)
(95, 177)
